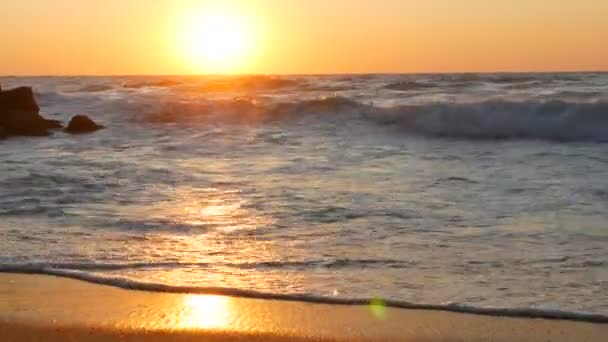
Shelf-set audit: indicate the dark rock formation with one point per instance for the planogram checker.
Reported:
(20, 99)
(82, 124)
(19, 114)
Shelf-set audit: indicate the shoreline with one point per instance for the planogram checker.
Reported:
(51, 308)
(132, 285)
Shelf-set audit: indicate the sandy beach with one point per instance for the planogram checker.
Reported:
(47, 308)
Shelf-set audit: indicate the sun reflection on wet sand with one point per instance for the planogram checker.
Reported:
(205, 312)
(78, 311)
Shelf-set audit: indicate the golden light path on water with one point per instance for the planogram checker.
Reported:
(211, 210)
(214, 208)
(225, 211)
(211, 235)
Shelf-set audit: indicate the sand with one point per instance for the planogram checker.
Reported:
(48, 308)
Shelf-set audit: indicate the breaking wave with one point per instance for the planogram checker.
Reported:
(499, 120)
(153, 83)
(410, 86)
(94, 88)
(489, 120)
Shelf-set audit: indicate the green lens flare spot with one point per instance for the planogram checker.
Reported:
(378, 308)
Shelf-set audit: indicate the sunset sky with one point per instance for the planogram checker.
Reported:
(48, 37)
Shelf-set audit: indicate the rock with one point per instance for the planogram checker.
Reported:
(19, 114)
(82, 124)
(21, 99)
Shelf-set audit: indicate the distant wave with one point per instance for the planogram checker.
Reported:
(410, 86)
(573, 113)
(246, 110)
(93, 88)
(516, 78)
(455, 179)
(511, 78)
(129, 284)
(150, 83)
(191, 84)
(489, 120)
(238, 84)
(501, 120)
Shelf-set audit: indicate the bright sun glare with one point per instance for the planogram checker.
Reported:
(216, 41)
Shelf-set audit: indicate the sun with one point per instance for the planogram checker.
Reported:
(216, 41)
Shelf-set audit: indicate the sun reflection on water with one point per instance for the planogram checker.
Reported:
(204, 236)
(222, 210)
(204, 210)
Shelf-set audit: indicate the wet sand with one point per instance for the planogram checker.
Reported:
(48, 308)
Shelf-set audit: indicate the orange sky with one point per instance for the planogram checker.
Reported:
(48, 37)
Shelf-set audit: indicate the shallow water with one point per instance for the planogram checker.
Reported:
(484, 190)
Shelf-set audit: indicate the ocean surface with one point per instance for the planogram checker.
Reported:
(481, 190)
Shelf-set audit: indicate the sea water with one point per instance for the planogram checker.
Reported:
(483, 190)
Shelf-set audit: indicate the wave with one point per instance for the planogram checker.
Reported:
(150, 83)
(510, 78)
(455, 179)
(410, 86)
(94, 88)
(503, 120)
(246, 110)
(296, 264)
(186, 84)
(130, 284)
(240, 84)
(485, 120)
(515, 78)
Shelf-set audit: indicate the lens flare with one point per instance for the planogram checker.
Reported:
(377, 307)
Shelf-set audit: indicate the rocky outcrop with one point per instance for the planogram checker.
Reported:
(19, 99)
(82, 124)
(19, 114)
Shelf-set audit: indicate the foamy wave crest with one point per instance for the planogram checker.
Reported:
(554, 120)
(491, 120)
(94, 88)
(137, 84)
(246, 110)
(246, 84)
(130, 284)
(410, 86)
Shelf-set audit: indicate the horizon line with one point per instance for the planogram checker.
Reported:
(583, 71)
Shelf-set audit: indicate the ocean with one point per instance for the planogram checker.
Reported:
(472, 190)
